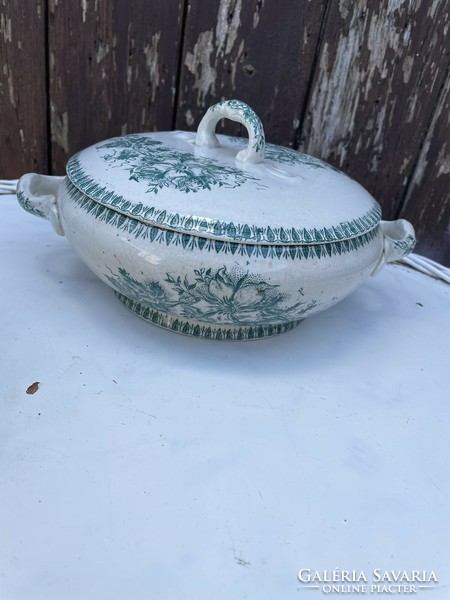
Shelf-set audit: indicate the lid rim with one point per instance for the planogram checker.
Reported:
(220, 230)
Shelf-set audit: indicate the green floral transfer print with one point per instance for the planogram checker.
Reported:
(161, 167)
(250, 116)
(218, 296)
(29, 206)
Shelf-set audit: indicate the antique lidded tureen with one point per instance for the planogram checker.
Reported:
(215, 236)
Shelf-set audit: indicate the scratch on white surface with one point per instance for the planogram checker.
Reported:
(242, 562)
(136, 409)
(198, 63)
(50, 449)
(151, 60)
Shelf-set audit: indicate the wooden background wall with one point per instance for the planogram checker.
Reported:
(363, 84)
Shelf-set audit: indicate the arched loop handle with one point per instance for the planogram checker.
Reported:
(236, 111)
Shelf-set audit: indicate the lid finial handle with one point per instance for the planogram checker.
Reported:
(236, 111)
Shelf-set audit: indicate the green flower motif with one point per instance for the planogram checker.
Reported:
(220, 296)
(161, 167)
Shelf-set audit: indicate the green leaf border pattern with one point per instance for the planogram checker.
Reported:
(201, 330)
(187, 242)
(237, 232)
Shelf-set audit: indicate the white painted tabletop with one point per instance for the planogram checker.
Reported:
(151, 465)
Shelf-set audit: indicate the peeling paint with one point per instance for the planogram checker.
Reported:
(337, 95)
(441, 165)
(406, 68)
(405, 164)
(60, 128)
(433, 8)
(198, 63)
(10, 83)
(411, 107)
(52, 5)
(444, 160)
(235, 63)
(151, 60)
(258, 8)
(5, 28)
(359, 69)
(189, 118)
(383, 35)
(226, 31)
(102, 51)
(84, 6)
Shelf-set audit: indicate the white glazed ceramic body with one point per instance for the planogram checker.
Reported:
(200, 287)
(204, 286)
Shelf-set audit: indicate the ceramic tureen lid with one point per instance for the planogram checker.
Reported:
(225, 188)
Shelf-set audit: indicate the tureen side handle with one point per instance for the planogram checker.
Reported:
(37, 194)
(236, 111)
(399, 240)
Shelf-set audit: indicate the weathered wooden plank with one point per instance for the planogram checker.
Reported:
(113, 70)
(258, 51)
(427, 203)
(378, 77)
(23, 114)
